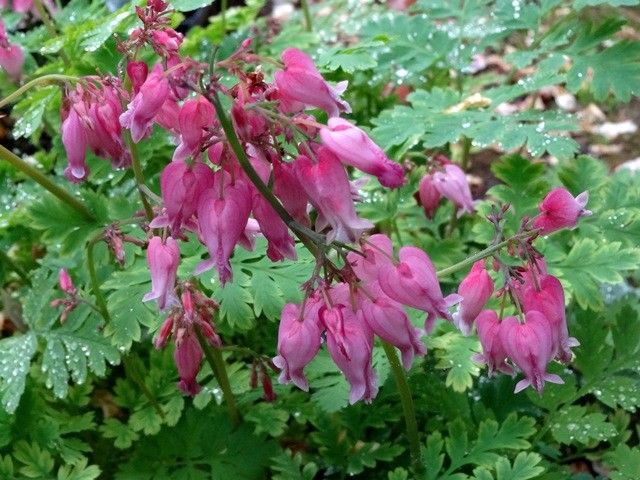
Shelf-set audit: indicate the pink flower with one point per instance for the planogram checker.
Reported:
(11, 56)
(188, 356)
(549, 300)
(494, 353)
(74, 140)
(281, 243)
(289, 190)
(137, 73)
(222, 220)
(377, 250)
(389, 321)
(413, 282)
(560, 209)
(476, 289)
(350, 344)
(65, 282)
(354, 147)
(181, 186)
(452, 183)
(327, 186)
(298, 343)
(194, 117)
(166, 41)
(146, 104)
(300, 84)
(530, 346)
(163, 259)
(428, 195)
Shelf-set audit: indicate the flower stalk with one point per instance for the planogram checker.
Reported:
(45, 79)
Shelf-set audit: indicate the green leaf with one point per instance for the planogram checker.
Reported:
(79, 471)
(620, 391)
(268, 419)
(292, 467)
(454, 352)
(37, 462)
(367, 455)
(29, 111)
(96, 37)
(525, 466)
(626, 462)
(15, 359)
(350, 59)
(189, 5)
(123, 435)
(574, 425)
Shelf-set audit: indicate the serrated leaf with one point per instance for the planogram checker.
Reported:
(292, 467)
(122, 435)
(367, 455)
(620, 391)
(97, 36)
(30, 110)
(15, 359)
(268, 419)
(189, 5)
(626, 462)
(37, 462)
(454, 352)
(525, 466)
(79, 471)
(574, 425)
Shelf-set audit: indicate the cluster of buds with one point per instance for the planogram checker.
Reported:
(11, 55)
(90, 114)
(187, 319)
(70, 301)
(448, 180)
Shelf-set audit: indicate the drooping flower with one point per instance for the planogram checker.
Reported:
(289, 190)
(475, 290)
(65, 282)
(222, 220)
(388, 320)
(188, 356)
(74, 140)
(350, 344)
(428, 195)
(354, 147)
(547, 297)
(300, 84)
(163, 258)
(530, 346)
(328, 188)
(413, 282)
(181, 186)
(11, 56)
(452, 183)
(560, 209)
(146, 104)
(195, 116)
(494, 353)
(298, 342)
(376, 251)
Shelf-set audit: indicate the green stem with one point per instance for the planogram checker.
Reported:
(307, 15)
(139, 176)
(132, 371)
(465, 156)
(44, 181)
(216, 362)
(223, 15)
(53, 78)
(51, 27)
(487, 252)
(407, 407)
(93, 277)
(8, 261)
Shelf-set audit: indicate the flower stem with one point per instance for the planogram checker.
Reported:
(44, 181)
(304, 4)
(53, 78)
(216, 362)
(223, 15)
(407, 407)
(487, 252)
(139, 176)
(51, 27)
(93, 277)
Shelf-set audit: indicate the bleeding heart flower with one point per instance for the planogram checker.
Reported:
(560, 209)
(476, 289)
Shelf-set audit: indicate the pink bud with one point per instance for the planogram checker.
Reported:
(163, 259)
(195, 115)
(389, 321)
(549, 300)
(413, 282)
(298, 343)
(164, 333)
(11, 56)
(181, 186)
(188, 356)
(494, 353)
(74, 140)
(350, 344)
(222, 220)
(476, 289)
(530, 346)
(289, 190)
(166, 40)
(300, 84)
(281, 243)
(560, 209)
(65, 282)
(452, 183)
(428, 195)
(354, 147)
(146, 104)
(137, 73)
(328, 188)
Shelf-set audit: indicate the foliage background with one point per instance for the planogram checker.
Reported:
(90, 399)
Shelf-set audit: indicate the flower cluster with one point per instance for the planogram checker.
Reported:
(265, 166)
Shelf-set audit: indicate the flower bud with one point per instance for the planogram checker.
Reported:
(163, 259)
